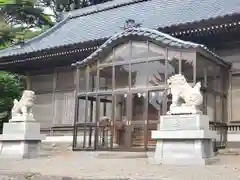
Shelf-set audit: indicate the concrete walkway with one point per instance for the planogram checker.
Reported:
(107, 165)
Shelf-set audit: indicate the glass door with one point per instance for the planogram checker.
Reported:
(137, 107)
(121, 121)
(104, 130)
(85, 125)
(156, 106)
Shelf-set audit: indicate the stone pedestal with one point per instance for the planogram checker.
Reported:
(20, 140)
(184, 140)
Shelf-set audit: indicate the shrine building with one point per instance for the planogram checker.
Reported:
(100, 73)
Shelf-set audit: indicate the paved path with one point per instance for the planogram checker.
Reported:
(107, 166)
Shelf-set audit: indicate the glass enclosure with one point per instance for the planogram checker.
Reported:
(121, 96)
(214, 79)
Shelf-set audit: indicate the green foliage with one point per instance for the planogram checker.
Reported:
(7, 35)
(24, 12)
(11, 87)
(17, 17)
(10, 35)
(69, 5)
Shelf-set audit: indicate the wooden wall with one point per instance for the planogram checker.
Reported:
(233, 56)
(55, 96)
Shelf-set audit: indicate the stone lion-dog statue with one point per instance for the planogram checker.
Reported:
(22, 109)
(185, 98)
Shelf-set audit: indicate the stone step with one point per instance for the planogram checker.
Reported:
(56, 147)
(116, 155)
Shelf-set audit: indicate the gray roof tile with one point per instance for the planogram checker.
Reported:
(104, 20)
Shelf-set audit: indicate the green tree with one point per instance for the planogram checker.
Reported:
(11, 87)
(69, 5)
(25, 13)
(12, 35)
(7, 35)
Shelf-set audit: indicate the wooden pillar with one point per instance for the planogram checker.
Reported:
(54, 86)
(76, 108)
(229, 98)
(77, 78)
(28, 82)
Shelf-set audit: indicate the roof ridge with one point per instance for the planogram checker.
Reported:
(152, 34)
(100, 7)
(40, 36)
(50, 30)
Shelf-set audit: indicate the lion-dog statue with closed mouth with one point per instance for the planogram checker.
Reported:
(22, 109)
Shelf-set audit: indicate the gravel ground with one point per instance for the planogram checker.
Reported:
(106, 165)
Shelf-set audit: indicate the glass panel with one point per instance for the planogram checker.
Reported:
(148, 74)
(211, 100)
(235, 105)
(92, 78)
(211, 76)
(79, 137)
(82, 80)
(120, 107)
(105, 78)
(169, 102)
(139, 50)
(105, 129)
(201, 70)
(105, 106)
(138, 121)
(208, 71)
(121, 76)
(90, 109)
(155, 109)
(142, 50)
(187, 64)
(235, 99)
(218, 85)
(158, 51)
(90, 122)
(173, 58)
(235, 82)
(219, 108)
(203, 107)
(122, 52)
(120, 118)
(225, 79)
(156, 72)
(139, 75)
(107, 59)
(81, 110)
(225, 109)
(138, 106)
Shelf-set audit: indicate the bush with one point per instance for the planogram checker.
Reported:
(11, 88)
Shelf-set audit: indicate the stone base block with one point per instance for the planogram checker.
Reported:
(184, 139)
(20, 149)
(183, 151)
(184, 122)
(183, 161)
(184, 134)
(20, 140)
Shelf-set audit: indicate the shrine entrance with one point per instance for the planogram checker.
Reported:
(121, 89)
(121, 121)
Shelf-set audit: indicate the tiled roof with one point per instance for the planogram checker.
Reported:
(104, 20)
(148, 34)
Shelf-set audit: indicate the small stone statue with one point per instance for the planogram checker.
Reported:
(185, 98)
(22, 109)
